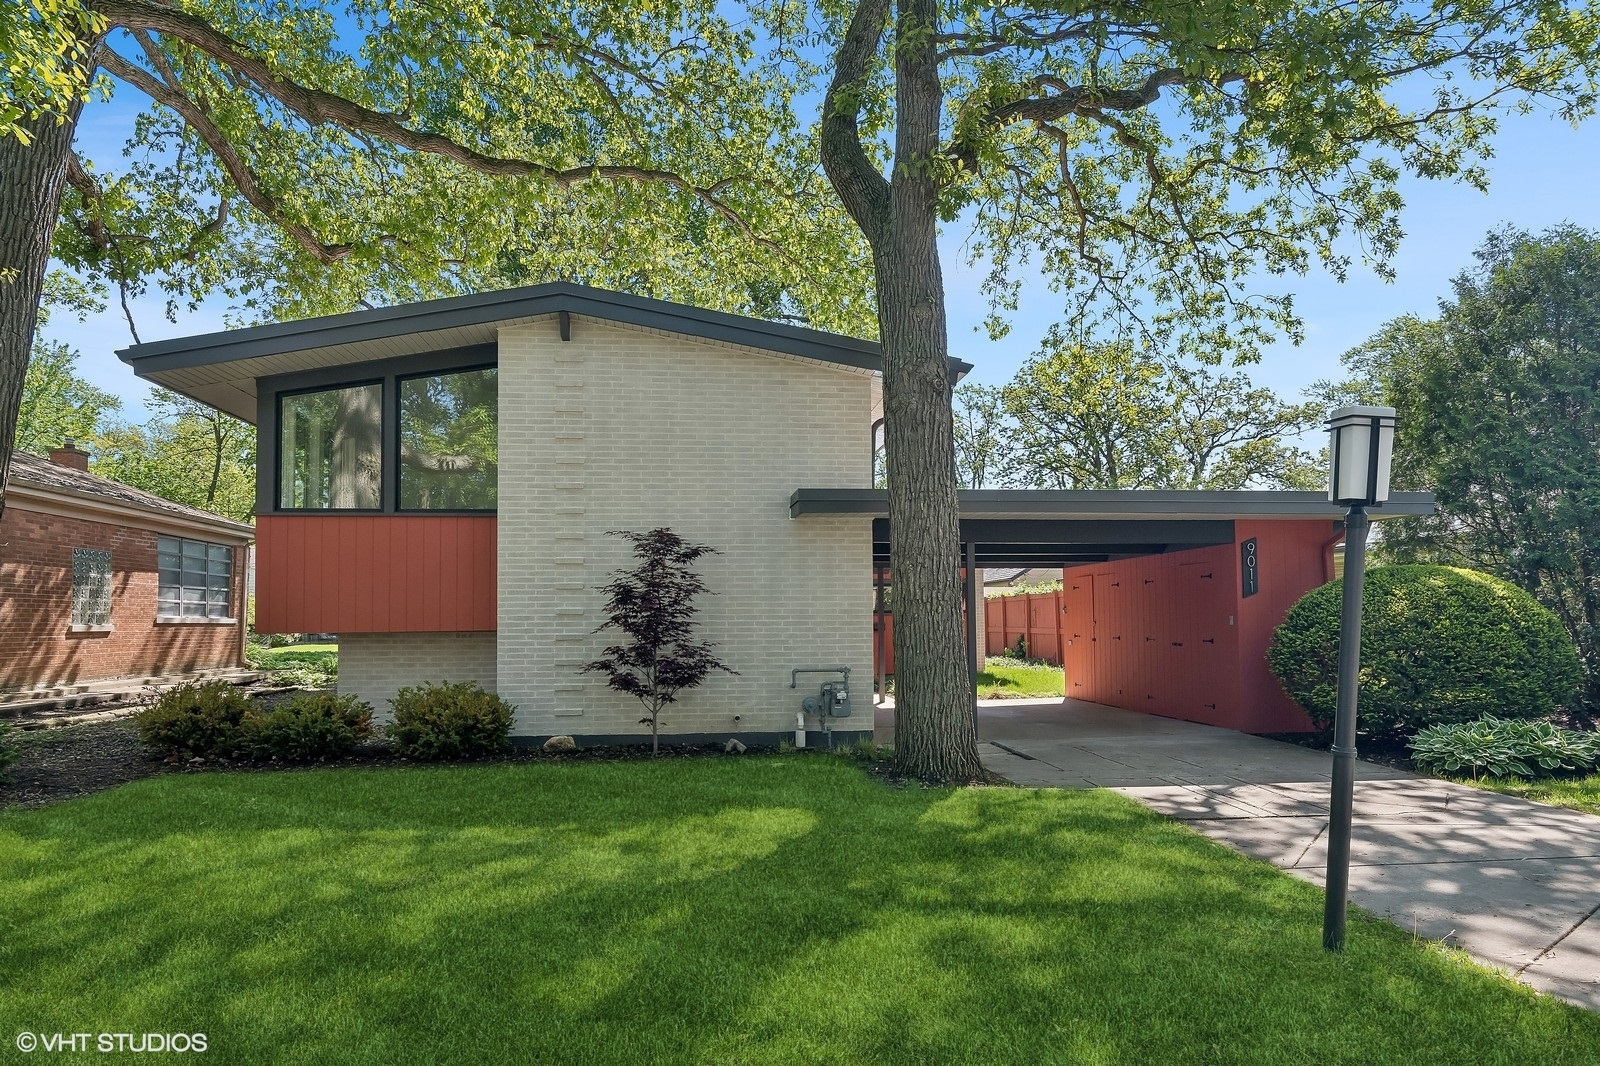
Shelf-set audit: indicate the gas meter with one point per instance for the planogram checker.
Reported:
(832, 702)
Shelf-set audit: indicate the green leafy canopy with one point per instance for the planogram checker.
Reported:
(1153, 160)
(383, 151)
(1499, 415)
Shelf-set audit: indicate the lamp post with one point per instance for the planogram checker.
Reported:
(1361, 440)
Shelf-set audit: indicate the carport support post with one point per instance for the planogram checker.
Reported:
(972, 625)
(1342, 803)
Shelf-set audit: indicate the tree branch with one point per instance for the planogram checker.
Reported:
(863, 189)
(244, 179)
(318, 108)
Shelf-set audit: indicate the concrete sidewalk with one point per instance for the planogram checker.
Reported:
(1514, 883)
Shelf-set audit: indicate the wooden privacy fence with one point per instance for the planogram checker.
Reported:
(1005, 618)
(1035, 618)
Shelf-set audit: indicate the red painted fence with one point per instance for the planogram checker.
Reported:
(1035, 618)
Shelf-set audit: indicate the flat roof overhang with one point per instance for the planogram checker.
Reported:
(220, 369)
(1045, 527)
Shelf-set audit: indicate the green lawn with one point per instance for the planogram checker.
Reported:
(1579, 793)
(765, 909)
(1014, 677)
(301, 665)
(295, 651)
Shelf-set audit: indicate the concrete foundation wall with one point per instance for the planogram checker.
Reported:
(626, 428)
(375, 666)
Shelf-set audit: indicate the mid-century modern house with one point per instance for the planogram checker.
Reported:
(437, 480)
(102, 581)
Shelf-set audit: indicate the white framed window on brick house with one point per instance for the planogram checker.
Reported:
(196, 579)
(91, 587)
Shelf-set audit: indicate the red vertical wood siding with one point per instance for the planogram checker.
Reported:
(1174, 635)
(1292, 563)
(1157, 634)
(375, 573)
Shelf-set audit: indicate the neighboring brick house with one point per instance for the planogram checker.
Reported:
(99, 580)
(435, 483)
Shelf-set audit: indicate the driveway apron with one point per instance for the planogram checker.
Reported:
(1514, 883)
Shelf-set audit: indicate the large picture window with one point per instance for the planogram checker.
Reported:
(330, 449)
(196, 579)
(449, 441)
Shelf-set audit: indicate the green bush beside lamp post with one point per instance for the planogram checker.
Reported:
(1360, 446)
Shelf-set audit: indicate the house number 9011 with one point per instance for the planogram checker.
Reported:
(1249, 568)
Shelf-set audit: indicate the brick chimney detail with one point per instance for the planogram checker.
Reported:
(70, 455)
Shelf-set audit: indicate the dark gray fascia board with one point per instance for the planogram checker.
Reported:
(1078, 504)
(1090, 536)
(485, 307)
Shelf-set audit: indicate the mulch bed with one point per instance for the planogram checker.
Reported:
(68, 761)
(1390, 751)
(79, 760)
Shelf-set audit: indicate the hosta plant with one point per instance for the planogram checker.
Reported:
(1499, 747)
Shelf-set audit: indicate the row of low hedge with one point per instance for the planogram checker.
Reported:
(215, 719)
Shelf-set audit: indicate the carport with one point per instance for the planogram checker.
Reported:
(1170, 597)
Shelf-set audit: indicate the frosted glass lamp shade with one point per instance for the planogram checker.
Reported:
(1361, 442)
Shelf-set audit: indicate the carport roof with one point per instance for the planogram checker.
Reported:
(1026, 527)
(1120, 504)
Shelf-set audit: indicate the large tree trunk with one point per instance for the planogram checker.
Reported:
(935, 735)
(32, 178)
(935, 732)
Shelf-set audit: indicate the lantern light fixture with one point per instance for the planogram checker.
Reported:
(1360, 445)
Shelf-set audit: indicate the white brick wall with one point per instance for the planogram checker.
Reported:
(375, 666)
(625, 428)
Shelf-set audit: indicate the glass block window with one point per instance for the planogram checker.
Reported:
(449, 441)
(330, 450)
(91, 587)
(196, 579)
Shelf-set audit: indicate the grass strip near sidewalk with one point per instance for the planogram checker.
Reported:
(1578, 793)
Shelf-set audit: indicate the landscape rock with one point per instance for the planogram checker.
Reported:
(734, 746)
(555, 744)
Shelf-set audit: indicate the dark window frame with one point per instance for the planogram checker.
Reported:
(277, 447)
(270, 389)
(880, 456)
(400, 380)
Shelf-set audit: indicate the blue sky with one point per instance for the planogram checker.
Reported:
(1544, 172)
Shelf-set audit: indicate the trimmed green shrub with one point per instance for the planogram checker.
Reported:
(312, 726)
(449, 721)
(201, 719)
(1438, 645)
(1502, 748)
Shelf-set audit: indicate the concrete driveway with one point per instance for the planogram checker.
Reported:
(1514, 883)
